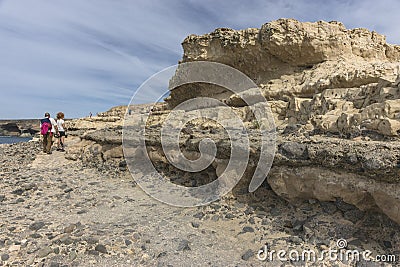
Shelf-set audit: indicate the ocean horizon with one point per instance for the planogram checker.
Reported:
(13, 139)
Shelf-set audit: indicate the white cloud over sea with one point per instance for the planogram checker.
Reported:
(86, 56)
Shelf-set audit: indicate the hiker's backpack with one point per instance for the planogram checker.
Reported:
(45, 126)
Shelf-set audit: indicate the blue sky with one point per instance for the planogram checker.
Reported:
(87, 56)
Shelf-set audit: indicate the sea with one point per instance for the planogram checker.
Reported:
(13, 139)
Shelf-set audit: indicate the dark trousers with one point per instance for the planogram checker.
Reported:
(47, 142)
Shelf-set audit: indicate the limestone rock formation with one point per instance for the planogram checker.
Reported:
(320, 74)
(334, 94)
(320, 79)
(287, 57)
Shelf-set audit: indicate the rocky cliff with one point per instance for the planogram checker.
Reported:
(19, 127)
(334, 94)
(335, 98)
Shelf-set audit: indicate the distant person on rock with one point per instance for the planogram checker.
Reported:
(61, 131)
(90, 115)
(48, 127)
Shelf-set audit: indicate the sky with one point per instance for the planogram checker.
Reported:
(87, 56)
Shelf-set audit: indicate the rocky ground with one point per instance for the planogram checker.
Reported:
(59, 212)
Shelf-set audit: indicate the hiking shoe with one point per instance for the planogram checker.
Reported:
(49, 152)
